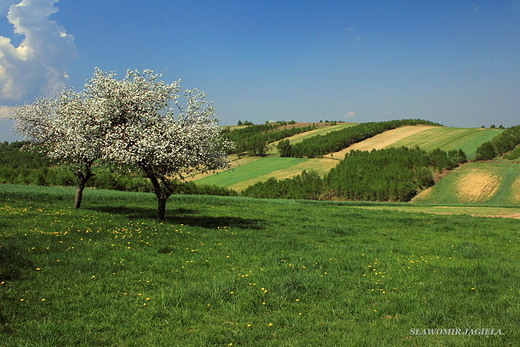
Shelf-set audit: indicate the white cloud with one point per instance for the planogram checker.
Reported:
(6, 111)
(349, 114)
(37, 66)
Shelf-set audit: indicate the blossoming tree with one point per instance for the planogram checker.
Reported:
(148, 124)
(63, 127)
(137, 121)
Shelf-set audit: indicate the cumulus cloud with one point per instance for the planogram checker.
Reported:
(38, 64)
(349, 114)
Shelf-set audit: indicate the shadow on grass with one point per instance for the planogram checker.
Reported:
(13, 264)
(184, 216)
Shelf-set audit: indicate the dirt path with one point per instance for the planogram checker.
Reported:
(382, 140)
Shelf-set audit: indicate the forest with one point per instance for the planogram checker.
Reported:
(500, 144)
(393, 174)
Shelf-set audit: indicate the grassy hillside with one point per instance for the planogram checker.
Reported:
(468, 139)
(249, 171)
(246, 272)
(486, 183)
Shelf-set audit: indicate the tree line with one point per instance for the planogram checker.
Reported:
(500, 144)
(255, 139)
(29, 167)
(393, 174)
(334, 141)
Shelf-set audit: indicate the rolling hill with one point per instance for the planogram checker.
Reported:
(476, 183)
(248, 171)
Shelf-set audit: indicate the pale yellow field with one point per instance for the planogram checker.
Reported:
(382, 140)
(515, 191)
(477, 185)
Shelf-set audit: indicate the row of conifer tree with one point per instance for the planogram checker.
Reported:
(335, 141)
(255, 139)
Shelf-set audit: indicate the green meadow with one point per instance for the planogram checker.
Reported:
(251, 170)
(445, 138)
(232, 271)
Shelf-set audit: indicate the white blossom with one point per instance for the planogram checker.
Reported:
(137, 121)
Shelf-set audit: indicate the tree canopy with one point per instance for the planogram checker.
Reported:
(136, 121)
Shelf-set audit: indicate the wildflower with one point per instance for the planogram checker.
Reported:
(270, 324)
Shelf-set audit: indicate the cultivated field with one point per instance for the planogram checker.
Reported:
(471, 183)
(468, 139)
(384, 140)
(251, 171)
(243, 272)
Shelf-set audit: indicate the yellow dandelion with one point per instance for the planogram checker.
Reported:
(270, 324)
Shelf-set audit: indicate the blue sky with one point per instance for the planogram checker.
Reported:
(453, 62)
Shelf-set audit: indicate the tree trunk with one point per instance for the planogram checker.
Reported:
(161, 194)
(79, 194)
(82, 181)
(161, 206)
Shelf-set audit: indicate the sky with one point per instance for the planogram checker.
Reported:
(452, 62)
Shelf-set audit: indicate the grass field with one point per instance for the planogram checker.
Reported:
(251, 170)
(243, 272)
(487, 183)
(468, 139)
